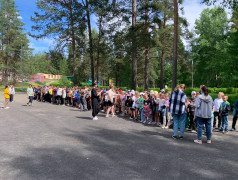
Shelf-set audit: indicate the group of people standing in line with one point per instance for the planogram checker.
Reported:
(168, 110)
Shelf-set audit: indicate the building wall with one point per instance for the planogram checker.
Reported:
(37, 78)
(50, 76)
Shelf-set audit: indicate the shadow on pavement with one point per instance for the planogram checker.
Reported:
(100, 153)
(85, 118)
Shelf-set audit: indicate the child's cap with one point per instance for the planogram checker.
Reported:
(162, 90)
(193, 92)
(124, 92)
(104, 91)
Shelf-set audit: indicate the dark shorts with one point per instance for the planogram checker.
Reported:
(30, 99)
(109, 103)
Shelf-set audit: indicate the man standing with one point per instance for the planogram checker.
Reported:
(30, 94)
(95, 104)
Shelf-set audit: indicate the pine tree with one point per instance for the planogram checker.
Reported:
(13, 40)
(62, 19)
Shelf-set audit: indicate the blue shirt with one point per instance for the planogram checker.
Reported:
(76, 96)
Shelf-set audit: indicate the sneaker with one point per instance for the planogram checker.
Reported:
(166, 127)
(113, 115)
(226, 132)
(223, 132)
(131, 117)
(175, 137)
(193, 131)
(233, 129)
(209, 141)
(6, 107)
(163, 127)
(149, 123)
(181, 137)
(198, 141)
(107, 116)
(95, 119)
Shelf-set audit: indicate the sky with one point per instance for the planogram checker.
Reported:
(192, 11)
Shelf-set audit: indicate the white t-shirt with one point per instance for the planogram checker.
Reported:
(64, 94)
(59, 92)
(109, 94)
(134, 101)
(217, 104)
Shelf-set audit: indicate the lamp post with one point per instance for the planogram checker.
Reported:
(21, 70)
(192, 73)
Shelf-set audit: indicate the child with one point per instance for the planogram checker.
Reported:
(131, 102)
(157, 99)
(191, 110)
(141, 101)
(83, 102)
(224, 112)
(162, 108)
(127, 103)
(147, 110)
(7, 97)
(64, 95)
(136, 105)
(167, 113)
(217, 104)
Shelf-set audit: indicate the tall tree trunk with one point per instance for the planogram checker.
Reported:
(90, 42)
(146, 68)
(98, 49)
(146, 53)
(119, 70)
(73, 44)
(175, 48)
(134, 50)
(162, 57)
(162, 69)
(5, 77)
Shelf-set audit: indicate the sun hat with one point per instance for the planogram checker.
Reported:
(193, 92)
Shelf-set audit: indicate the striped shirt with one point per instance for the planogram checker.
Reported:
(177, 102)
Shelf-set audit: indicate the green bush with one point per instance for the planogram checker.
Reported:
(63, 82)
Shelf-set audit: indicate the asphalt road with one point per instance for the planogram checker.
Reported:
(49, 142)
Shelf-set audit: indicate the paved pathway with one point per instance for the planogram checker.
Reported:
(49, 142)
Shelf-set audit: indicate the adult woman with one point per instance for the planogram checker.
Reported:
(177, 107)
(94, 100)
(203, 113)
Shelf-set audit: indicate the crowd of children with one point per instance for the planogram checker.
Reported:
(150, 108)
